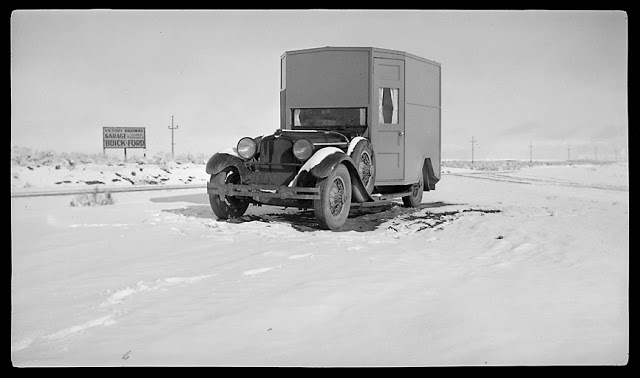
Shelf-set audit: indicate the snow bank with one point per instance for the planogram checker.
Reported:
(105, 175)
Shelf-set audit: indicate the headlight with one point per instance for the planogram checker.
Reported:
(247, 148)
(303, 149)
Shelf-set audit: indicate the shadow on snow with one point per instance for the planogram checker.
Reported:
(360, 219)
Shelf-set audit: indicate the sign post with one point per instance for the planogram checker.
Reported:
(124, 137)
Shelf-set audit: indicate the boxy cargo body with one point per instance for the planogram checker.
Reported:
(399, 92)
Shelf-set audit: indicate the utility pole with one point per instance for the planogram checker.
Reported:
(473, 144)
(615, 154)
(596, 153)
(530, 152)
(569, 153)
(172, 143)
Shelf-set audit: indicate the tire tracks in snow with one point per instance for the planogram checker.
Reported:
(159, 284)
(116, 298)
(413, 221)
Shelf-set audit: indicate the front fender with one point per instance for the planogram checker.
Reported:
(218, 162)
(331, 162)
(325, 161)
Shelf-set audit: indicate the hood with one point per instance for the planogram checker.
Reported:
(319, 138)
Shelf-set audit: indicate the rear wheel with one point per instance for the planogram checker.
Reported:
(415, 198)
(225, 207)
(332, 209)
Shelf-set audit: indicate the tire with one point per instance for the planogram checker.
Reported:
(415, 198)
(332, 209)
(365, 161)
(225, 207)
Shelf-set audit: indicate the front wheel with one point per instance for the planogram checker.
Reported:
(225, 207)
(415, 198)
(332, 209)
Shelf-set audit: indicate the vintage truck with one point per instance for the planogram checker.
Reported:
(358, 125)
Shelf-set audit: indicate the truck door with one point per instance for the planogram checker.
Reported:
(388, 119)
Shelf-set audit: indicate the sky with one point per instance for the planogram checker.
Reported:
(541, 84)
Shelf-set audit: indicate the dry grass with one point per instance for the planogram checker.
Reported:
(92, 199)
(23, 156)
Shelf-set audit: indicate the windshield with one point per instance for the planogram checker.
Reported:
(317, 117)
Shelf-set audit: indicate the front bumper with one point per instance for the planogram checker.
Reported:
(257, 192)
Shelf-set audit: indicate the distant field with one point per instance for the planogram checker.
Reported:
(511, 165)
(22, 156)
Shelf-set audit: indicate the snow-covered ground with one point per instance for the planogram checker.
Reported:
(529, 267)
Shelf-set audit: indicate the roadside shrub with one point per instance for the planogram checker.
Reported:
(160, 158)
(199, 158)
(20, 155)
(92, 199)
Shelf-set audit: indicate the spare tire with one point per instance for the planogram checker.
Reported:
(365, 161)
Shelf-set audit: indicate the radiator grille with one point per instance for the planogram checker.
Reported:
(276, 161)
(276, 151)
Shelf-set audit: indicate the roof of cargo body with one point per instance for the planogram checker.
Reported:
(373, 50)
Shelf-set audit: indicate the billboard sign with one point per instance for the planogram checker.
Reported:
(124, 137)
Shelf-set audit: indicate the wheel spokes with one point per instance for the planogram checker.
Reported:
(336, 196)
(416, 189)
(365, 168)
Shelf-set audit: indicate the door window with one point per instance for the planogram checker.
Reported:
(388, 105)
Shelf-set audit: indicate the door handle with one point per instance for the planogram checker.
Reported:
(400, 133)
